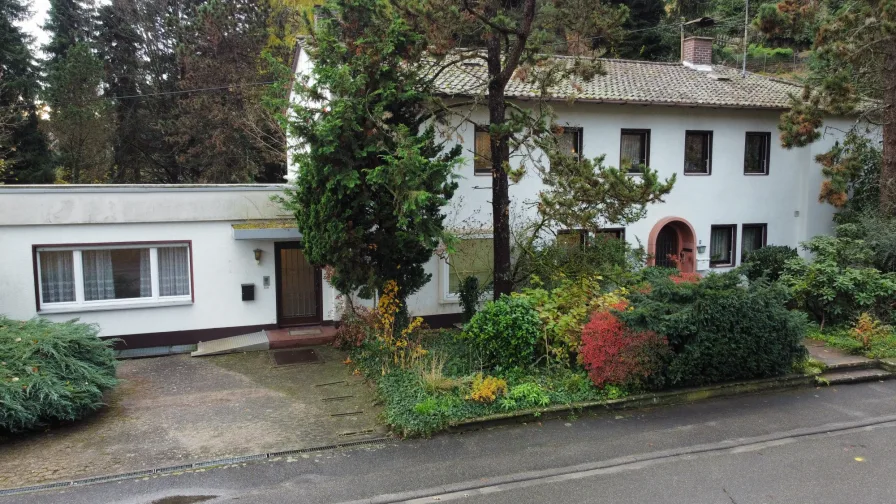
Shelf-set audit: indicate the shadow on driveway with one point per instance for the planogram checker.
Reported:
(178, 410)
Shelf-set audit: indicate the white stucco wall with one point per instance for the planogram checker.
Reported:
(204, 216)
(785, 199)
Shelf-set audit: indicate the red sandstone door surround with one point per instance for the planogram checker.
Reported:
(677, 242)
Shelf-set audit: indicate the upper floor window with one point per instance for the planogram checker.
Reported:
(697, 152)
(108, 276)
(756, 153)
(570, 141)
(752, 238)
(634, 150)
(721, 246)
(482, 152)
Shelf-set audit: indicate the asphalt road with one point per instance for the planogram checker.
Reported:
(823, 445)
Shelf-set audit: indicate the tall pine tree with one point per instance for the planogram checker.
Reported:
(372, 177)
(854, 56)
(24, 153)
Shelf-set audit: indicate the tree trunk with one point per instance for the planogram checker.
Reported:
(500, 154)
(888, 165)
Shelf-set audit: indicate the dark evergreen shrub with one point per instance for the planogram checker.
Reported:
(719, 330)
(51, 372)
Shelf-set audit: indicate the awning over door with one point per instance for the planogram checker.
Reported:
(274, 229)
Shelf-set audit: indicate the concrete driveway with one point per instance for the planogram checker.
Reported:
(178, 410)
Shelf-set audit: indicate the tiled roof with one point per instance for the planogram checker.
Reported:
(643, 82)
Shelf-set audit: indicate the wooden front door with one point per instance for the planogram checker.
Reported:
(667, 247)
(299, 299)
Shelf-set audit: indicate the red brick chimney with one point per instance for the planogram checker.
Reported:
(697, 51)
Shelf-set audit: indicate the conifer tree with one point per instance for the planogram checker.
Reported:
(372, 177)
(24, 153)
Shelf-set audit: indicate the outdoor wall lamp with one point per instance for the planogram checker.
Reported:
(700, 247)
(257, 256)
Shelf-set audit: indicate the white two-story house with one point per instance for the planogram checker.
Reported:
(162, 265)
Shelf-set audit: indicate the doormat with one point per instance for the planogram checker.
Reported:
(302, 332)
(299, 356)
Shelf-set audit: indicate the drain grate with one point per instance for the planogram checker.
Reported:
(349, 413)
(337, 398)
(330, 383)
(292, 357)
(355, 433)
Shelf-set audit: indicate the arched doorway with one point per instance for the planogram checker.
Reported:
(672, 244)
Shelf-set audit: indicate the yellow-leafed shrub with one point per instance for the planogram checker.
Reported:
(486, 389)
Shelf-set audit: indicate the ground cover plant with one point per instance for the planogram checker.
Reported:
(51, 372)
(574, 343)
(448, 384)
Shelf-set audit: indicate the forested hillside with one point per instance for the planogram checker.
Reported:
(145, 91)
(184, 91)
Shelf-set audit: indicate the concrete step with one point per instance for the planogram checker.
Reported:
(244, 343)
(847, 365)
(293, 337)
(855, 376)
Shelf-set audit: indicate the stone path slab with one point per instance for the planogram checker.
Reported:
(177, 410)
(835, 358)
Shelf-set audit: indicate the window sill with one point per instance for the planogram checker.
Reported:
(482, 174)
(129, 305)
(686, 174)
(755, 174)
(715, 266)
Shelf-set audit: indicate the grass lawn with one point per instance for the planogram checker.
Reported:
(441, 387)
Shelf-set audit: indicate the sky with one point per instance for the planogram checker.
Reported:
(39, 10)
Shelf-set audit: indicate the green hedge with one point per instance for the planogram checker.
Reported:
(51, 372)
(504, 333)
(720, 330)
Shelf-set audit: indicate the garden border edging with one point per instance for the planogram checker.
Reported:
(640, 401)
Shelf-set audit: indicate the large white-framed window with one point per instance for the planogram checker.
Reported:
(74, 278)
(472, 256)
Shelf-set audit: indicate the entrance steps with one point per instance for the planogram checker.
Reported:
(273, 339)
(843, 368)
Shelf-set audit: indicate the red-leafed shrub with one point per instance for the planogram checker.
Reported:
(686, 278)
(614, 354)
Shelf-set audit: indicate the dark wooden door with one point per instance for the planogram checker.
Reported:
(666, 247)
(299, 299)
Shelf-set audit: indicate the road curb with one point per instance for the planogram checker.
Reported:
(664, 398)
(205, 464)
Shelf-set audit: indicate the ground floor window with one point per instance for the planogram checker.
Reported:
(571, 238)
(104, 276)
(471, 257)
(752, 238)
(721, 246)
(616, 233)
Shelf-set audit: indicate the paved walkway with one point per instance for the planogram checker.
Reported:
(177, 410)
(833, 357)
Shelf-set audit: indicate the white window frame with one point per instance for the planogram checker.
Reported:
(82, 305)
(446, 296)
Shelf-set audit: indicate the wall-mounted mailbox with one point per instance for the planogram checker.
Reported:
(248, 292)
(702, 264)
